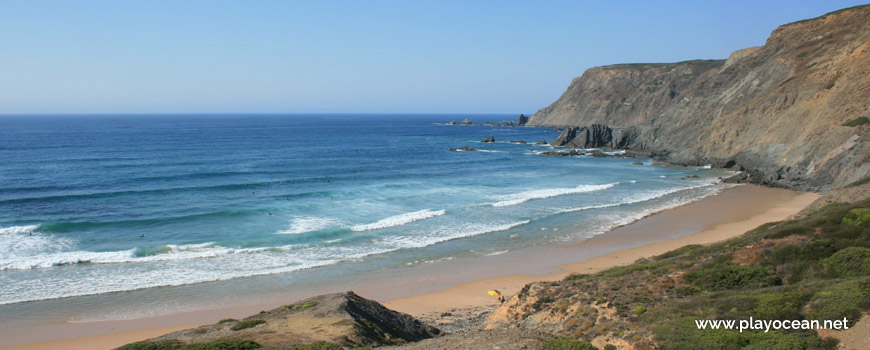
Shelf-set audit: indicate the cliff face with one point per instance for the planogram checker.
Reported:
(777, 110)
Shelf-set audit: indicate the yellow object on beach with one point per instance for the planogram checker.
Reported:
(494, 293)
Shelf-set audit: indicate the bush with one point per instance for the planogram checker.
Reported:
(857, 216)
(227, 320)
(639, 310)
(838, 301)
(778, 306)
(728, 275)
(321, 345)
(224, 344)
(562, 343)
(857, 121)
(849, 262)
(301, 305)
(153, 345)
(610, 347)
(246, 324)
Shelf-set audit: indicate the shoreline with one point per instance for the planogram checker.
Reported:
(463, 283)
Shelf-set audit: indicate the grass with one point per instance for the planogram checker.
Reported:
(246, 324)
(300, 306)
(706, 64)
(859, 182)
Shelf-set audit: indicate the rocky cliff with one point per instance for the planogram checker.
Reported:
(792, 112)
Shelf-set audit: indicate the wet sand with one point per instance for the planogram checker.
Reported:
(463, 283)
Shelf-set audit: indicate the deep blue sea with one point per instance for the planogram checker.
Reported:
(99, 204)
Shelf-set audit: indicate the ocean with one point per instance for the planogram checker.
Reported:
(106, 205)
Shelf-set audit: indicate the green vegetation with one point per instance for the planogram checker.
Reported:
(826, 15)
(857, 122)
(220, 344)
(704, 64)
(153, 345)
(224, 344)
(812, 268)
(299, 306)
(610, 347)
(227, 320)
(563, 343)
(728, 275)
(639, 310)
(246, 324)
(859, 182)
(321, 345)
(849, 262)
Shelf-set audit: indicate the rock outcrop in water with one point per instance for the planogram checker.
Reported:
(785, 111)
(345, 319)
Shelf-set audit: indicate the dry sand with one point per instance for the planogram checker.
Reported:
(463, 283)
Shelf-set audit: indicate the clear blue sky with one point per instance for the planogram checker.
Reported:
(350, 56)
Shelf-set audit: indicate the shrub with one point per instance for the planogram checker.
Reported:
(728, 275)
(610, 347)
(639, 310)
(857, 216)
(857, 121)
(321, 345)
(246, 324)
(301, 305)
(838, 301)
(227, 320)
(779, 306)
(849, 262)
(224, 344)
(153, 345)
(562, 343)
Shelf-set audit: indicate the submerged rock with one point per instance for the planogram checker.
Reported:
(463, 148)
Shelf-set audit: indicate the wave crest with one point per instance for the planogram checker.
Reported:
(522, 197)
(399, 220)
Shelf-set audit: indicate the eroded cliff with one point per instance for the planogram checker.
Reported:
(788, 112)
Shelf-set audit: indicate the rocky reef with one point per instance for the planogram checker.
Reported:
(789, 113)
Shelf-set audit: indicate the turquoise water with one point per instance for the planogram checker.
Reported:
(99, 204)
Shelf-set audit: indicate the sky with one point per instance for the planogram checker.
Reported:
(365, 56)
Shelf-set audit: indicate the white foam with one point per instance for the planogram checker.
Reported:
(522, 197)
(496, 253)
(645, 196)
(170, 252)
(23, 241)
(399, 220)
(309, 224)
(447, 233)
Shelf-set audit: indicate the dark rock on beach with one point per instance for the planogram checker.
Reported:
(345, 319)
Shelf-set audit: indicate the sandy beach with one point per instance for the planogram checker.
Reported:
(463, 283)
